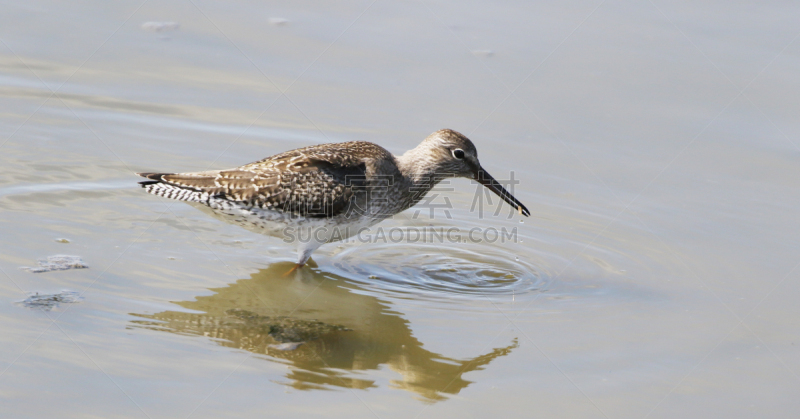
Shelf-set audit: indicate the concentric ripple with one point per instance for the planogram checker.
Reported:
(437, 270)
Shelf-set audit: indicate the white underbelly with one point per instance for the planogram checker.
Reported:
(291, 229)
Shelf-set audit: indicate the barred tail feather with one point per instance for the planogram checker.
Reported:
(175, 192)
(157, 186)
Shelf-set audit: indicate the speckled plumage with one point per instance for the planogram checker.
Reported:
(343, 186)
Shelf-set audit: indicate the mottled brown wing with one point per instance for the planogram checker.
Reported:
(301, 182)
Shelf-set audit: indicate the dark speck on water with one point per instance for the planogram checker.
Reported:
(48, 302)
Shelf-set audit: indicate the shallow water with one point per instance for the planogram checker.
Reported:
(655, 144)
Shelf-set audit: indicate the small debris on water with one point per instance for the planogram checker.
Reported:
(160, 26)
(62, 240)
(485, 53)
(373, 277)
(171, 258)
(278, 21)
(58, 263)
(288, 346)
(48, 302)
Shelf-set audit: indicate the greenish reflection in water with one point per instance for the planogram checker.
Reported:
(343, 329)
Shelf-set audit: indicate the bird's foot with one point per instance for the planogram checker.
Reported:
(296, 267)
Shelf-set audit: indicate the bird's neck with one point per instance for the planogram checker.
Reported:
(418, 174)
(417, 167)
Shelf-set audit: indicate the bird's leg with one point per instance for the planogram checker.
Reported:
(304, 252)
(296, 267)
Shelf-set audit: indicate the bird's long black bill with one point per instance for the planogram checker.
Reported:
(488, 181)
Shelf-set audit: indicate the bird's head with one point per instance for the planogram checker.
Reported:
(453, 155)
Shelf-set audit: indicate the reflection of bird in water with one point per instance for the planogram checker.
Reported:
(341, 329)
(329, 192)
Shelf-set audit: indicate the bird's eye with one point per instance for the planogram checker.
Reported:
(458, 153)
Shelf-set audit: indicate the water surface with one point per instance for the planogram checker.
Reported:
(654, 143)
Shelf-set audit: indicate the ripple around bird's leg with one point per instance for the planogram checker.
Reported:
(433, 270)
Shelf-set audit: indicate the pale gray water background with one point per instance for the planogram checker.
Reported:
(656, 144)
